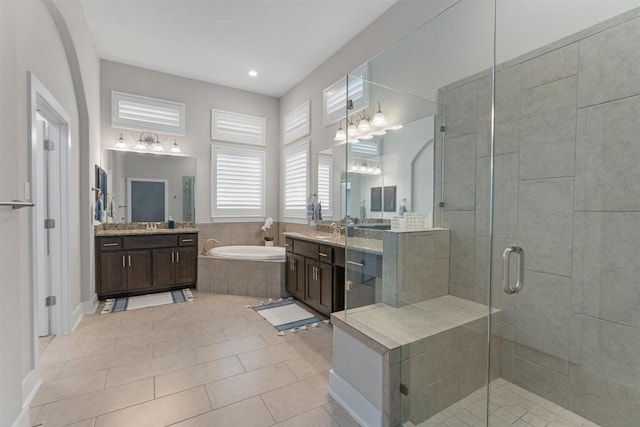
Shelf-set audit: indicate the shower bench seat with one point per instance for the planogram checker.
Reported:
(435, 351)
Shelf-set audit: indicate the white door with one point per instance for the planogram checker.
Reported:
(47, 189)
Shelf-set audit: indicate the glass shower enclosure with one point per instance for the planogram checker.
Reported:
(493, 222)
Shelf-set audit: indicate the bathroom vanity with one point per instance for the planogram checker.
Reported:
(140, 261)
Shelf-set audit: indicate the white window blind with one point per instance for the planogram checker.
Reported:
(297, 123)
(296, 180)
(237, 182)
(325, 174)
(149, 114)
(335, 96)
(370, 148)
(235, 127)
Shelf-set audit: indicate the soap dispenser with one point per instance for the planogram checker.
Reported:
(172, 223)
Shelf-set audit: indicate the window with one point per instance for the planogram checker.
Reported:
(325, 174)
(235, 127)
(335, 96)
(296, 180)
(297, 123)
(237, 183)
(147, 114)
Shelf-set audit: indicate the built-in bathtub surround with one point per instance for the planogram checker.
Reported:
(415, 266)
(257, 278)
(436, 348)
(567, 191)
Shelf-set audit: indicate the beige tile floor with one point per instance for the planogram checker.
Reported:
(509, 405)
(211, 362)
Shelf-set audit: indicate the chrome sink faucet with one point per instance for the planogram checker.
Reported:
(204, 250)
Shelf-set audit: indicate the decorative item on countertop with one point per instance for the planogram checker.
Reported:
(172, 223)
(314, 208)
(266, 227)
(403, 207)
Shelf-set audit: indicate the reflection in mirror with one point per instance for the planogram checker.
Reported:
(150, 187)
(398, 165)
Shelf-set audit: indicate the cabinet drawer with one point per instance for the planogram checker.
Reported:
(148, 242)
(365, 262)
(187, 239)
(110, 243)
(307, 249)
(325, 254)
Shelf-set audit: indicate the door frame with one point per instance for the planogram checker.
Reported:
(41, 99)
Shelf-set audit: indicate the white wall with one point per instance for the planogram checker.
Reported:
(30, 41)
(199, 98)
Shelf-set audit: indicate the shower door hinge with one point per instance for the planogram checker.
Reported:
(49, 145)
(404, 389)
(442, 128)
(49, 223)
(50, 301)
(349, 104)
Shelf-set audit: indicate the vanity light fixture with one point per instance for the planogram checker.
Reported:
(360, 127)
(121, 144)
(365, 167)
(147, 141)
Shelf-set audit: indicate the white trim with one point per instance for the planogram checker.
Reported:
(60, 313)
(85, 307)
(30, 385)
(353, 402)
(297, 123)
(166, 195)
(22, 420)
(140, 124)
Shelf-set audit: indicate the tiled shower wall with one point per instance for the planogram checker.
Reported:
(567, 189)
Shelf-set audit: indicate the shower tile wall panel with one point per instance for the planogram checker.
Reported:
(567, 189)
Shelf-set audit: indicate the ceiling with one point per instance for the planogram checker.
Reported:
(219, 41)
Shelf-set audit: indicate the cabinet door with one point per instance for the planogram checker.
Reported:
(139, 269)
(164, 267)
(113, 276)
(294, 278)
(313, 295)
(325, 278)
(186, 264)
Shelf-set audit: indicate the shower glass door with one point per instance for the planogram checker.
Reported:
(566, 218)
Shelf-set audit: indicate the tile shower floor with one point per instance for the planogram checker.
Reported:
(510, 406)
(209, 362)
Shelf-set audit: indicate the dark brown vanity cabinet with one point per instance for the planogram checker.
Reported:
(313, 275)
(129, 265)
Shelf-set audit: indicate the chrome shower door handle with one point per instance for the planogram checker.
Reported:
(506, 255)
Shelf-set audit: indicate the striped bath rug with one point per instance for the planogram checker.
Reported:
(285, 315)
(131, 303)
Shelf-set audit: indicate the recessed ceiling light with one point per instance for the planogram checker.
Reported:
(253, 73)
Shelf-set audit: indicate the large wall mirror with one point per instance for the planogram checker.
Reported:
(389, 174)
(150, 187)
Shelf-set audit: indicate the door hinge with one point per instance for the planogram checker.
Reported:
(348, 285)
(349, 104)
(49, 223)
(50, 301)
(404, 389)
(442, 128)
(49, 145)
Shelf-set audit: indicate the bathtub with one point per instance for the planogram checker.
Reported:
(257, 271)
(253, 253)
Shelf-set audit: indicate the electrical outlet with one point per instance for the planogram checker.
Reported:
(27, 191)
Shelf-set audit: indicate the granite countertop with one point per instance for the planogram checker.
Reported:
(144, 231)
(359, 243)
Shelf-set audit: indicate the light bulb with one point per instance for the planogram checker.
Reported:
(379, 120)
(378, 171)
(363, 125)
(370, 169)
(363, 168)
(121, 143)
(354, 167)
(341, 135)
(352, 131)
(157, 147)
(140, 145)
(175, 148)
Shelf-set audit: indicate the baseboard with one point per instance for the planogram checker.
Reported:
(85, 307)
(23, 418)
(30, 385)
(353, 402)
